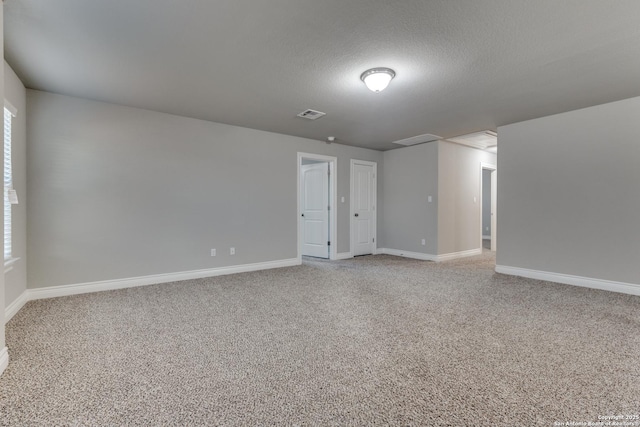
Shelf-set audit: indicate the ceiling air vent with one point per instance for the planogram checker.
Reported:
(311, 114)
(482, 140)
(427, 137)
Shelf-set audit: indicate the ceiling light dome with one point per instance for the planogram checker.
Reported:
(377, 79)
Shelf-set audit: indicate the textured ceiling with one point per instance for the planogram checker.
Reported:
(462, 65)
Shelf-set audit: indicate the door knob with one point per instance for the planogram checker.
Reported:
(302, 214)
(356, 214)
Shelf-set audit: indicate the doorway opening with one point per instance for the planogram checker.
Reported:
(488, 206)
(316, 206)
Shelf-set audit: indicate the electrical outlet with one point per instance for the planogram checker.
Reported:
(232, 251)
(213, 252)
(424, 242)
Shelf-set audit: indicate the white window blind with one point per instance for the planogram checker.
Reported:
(8, 183)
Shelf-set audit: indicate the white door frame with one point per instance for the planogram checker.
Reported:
(491, 167)
(333, 201)
(375, 204)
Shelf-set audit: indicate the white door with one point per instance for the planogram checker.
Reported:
(363, 198)
(494, 210)
(314, 189)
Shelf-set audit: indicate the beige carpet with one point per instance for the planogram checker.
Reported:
(369, 341)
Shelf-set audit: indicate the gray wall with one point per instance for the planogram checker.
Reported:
(458, 183)
(16, 278)
(410, 176)
(118, 192)
(486, 202)
(569, 193)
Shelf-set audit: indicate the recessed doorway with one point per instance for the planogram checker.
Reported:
(488, 206)
(316, 206)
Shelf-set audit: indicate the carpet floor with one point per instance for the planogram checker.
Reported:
(376, 340)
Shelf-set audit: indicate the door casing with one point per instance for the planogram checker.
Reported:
(333, 201)
(352, 228)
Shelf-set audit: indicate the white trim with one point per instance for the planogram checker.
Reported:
(15, 306)
(344, 255)
(407, 254)
(486, 237)
(333, 201)
(456, 255)
(375, 203)
(567, 279)
(430, 257)
(107, 285)
(4, 359)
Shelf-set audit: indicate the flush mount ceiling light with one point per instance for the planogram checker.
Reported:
(377, 79)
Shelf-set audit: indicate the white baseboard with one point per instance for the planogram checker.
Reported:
(107, 285)
(4, 359)
(456, 255)
(587, 282)
(407, 254)
(486, 237)
(15, 306)
(344, 255)
(431, 257)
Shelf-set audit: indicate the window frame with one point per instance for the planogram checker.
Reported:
(8, 185)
